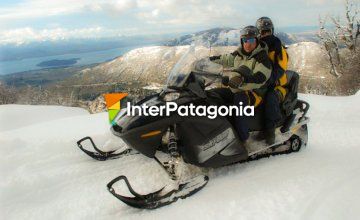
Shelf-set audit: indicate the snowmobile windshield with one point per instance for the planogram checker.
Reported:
(190, 63)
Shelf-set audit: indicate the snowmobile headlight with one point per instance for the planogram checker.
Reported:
(171, 96)
(120, 114)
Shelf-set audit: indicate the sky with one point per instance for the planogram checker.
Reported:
(38, 20)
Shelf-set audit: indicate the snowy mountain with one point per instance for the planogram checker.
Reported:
(215, 37)
(45, 176)
(220, 37)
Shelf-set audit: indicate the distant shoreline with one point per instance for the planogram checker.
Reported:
(96, 57)
(58, 63)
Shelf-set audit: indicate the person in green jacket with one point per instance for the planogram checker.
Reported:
(249, 71)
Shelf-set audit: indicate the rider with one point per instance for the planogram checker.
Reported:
(276, 92)
(250, 70)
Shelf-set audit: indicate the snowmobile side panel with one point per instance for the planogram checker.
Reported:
(202, 140)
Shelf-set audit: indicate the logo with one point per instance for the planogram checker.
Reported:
(114, 101)
(151, 107)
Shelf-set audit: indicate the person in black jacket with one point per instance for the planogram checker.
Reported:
(276, 92)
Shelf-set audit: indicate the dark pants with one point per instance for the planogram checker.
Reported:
(272, 109)
(227, 97)
(241, 125)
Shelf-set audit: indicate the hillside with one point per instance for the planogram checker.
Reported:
(151, 65)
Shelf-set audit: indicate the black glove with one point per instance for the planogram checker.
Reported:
(236, 81)
(243, 70)
(225, 80)
(212, 58)
(200, 64)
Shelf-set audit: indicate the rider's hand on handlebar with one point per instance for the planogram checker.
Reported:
(236, 81)
(212, 58)
(225, 80)
(243, 70)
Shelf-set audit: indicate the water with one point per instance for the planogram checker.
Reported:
(14, 66)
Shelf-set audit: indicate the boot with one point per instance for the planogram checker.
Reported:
(246, 146)
(260, 136)
(270, 136)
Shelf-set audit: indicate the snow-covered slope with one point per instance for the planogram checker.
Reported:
(9, 115)
(145, 65)
(45, 176)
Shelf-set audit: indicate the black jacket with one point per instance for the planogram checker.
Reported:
(277, 55)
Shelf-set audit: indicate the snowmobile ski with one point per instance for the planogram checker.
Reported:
(103, 155)
(159, 198)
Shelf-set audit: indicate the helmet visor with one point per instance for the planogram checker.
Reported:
(250, 40)
(249, 32)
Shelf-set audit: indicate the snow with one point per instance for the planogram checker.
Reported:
(150, 51)
(14, 116)
(45, 176)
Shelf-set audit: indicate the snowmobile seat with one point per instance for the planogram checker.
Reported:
(290, 101)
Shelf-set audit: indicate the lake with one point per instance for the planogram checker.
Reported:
(14, 66)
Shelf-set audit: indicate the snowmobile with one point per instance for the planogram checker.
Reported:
(185, 146)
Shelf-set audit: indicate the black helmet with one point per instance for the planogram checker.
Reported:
(249, 31)
(265, 24)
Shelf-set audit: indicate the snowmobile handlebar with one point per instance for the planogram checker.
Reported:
(209, 75)
(215, 76)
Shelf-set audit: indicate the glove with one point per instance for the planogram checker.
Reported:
(236, 81)
(212, 58)
(243, 70)
(199, 65)
(225, 80)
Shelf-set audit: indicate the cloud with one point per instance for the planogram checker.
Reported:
(187, 12)
(39, 8)
(46, 8)
(112, 7)
(176, 10)
(154, 11)
(28, 34)
(150, 16)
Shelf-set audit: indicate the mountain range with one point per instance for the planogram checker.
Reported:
(231, 36)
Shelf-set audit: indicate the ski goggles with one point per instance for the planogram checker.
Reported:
(248, 40)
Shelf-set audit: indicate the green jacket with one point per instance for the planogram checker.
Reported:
(255, 68)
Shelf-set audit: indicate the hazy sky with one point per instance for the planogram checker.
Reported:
(26, 20)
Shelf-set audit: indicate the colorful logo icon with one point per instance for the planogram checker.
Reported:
(114, 101)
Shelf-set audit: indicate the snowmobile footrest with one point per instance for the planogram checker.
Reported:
(102, 155)
(159, 198)
(287, 123)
